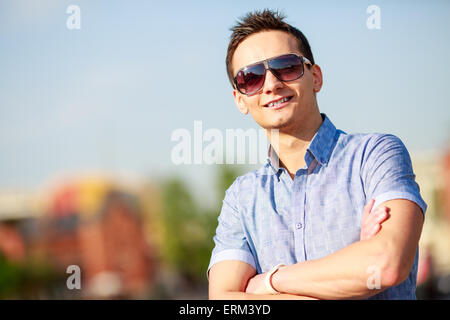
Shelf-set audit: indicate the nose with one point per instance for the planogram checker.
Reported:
(271, 83)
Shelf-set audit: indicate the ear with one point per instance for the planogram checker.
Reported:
(317, 78)
(239, 100)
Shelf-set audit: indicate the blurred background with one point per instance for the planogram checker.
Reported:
(87, 115)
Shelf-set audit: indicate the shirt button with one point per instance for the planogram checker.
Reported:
(298, 225)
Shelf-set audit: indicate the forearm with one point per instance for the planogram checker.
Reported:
(249, 296)
(344, 274)
(341, 275)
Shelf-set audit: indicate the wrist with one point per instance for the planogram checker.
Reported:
(269, 279)
(276, 280)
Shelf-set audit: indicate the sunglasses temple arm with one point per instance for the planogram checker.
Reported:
(306, 60)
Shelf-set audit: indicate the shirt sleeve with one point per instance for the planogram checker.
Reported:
(387, 172)
(230, 240)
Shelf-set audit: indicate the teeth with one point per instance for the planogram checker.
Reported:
(275, 103)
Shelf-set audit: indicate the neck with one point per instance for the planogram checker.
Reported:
(293, 142)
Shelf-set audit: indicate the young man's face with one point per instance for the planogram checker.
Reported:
(300, 107)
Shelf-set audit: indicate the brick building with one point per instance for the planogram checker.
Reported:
(93, 224)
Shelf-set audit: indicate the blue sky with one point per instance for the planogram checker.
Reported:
(108, 96)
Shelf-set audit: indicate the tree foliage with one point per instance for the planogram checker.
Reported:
(189, 227)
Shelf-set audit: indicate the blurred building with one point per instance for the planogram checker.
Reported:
(91, 223)
(446, 187)
(433, 176)
(15, 207)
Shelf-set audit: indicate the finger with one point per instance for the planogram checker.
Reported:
(382, 216)
(374, 231)
(377, 216)
(367, 208)
(370, 231)
(369, 216)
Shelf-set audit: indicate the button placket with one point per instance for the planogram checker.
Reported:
(299, 194)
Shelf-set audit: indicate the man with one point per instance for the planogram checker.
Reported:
(292, 229)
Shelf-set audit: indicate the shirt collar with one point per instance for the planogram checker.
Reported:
(320, 146)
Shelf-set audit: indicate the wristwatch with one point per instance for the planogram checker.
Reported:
(268, 278)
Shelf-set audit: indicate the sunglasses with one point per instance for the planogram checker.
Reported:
(287, 67)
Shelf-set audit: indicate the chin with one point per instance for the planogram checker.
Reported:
(281, 123)
(277, 125)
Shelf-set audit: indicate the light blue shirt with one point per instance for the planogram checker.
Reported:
(269, 218)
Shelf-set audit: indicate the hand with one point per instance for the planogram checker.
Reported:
(256, 285)
(371, 221)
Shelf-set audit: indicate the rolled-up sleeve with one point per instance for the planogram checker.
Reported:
(387, 172)
(230, 240)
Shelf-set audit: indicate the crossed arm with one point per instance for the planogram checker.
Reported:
(341, 275)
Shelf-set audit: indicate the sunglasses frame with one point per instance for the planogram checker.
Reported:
(267, 67)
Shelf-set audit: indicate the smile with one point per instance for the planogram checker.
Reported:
(278, 103)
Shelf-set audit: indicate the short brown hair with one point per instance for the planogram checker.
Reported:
(257, 21)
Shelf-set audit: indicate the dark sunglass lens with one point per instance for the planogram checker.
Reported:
(288, 67)
(250, 79)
